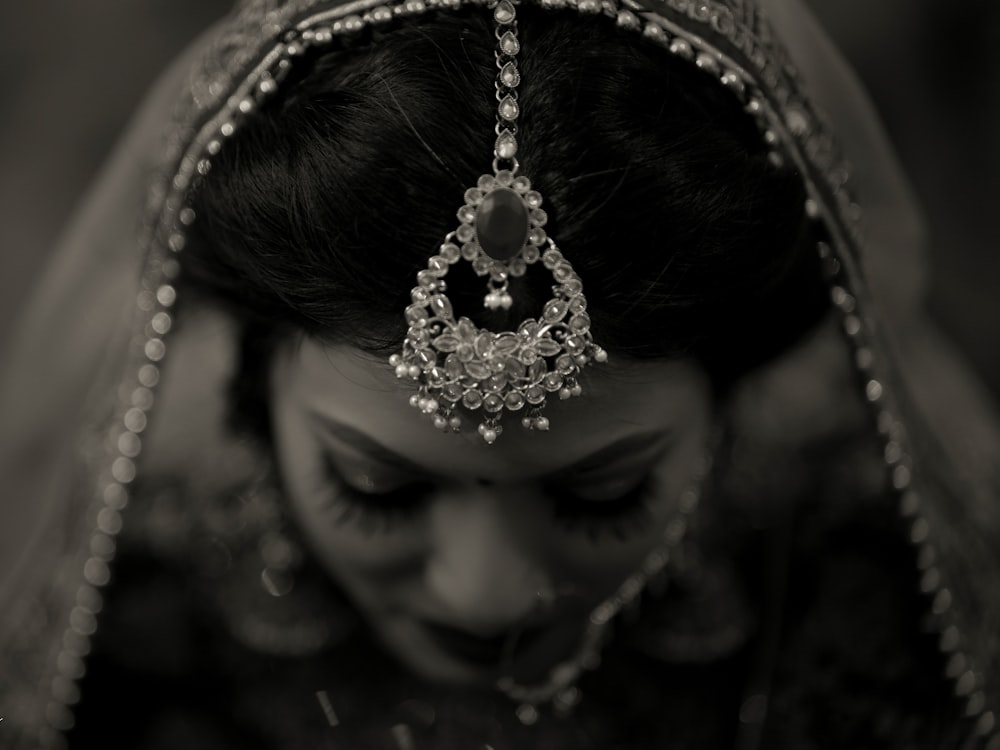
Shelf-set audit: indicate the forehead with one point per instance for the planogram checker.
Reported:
(637, 402)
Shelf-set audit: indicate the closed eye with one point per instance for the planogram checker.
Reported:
(372, 508)
(620, 514)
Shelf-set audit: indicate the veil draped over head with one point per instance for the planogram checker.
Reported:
(102, 347)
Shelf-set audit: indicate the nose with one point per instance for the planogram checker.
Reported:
(485, 567)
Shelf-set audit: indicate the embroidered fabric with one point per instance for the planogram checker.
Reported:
(102, 347)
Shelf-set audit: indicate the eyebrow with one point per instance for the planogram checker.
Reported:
(632, 445)
(364, 443)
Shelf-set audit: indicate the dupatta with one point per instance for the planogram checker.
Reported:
(102, 345)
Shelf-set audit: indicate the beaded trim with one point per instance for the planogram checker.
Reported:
(236, 85)
(961, 668)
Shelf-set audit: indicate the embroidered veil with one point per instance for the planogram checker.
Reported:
(102, 350)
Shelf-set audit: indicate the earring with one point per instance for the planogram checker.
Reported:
(280, 556)
(262, 582)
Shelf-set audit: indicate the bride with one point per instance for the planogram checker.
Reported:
(495, 375)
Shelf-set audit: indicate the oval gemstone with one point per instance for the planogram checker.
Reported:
(502, 224)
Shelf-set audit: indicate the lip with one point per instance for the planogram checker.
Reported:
(483, 652)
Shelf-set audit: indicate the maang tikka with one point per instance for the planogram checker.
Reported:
(501, 232)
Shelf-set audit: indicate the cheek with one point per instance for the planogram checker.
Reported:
(596, 570)
(601, 566)
(373, 567)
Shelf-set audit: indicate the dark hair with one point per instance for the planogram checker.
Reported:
(317, 216)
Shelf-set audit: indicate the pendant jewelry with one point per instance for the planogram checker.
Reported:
(501, 233)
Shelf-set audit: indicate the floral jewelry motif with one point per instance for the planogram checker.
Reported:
(501, 233)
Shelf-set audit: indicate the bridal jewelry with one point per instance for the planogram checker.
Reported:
(271, 600)
(560, 688)
(730, 41)
(501, 233)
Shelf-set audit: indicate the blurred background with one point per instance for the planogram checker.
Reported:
(74, 71)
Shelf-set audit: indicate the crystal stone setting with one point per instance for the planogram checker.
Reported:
(501, 232)
(459, 365)
(502, 223)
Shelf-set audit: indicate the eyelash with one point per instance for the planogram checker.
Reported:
(621, 517)
(381, 512)
(373, 512)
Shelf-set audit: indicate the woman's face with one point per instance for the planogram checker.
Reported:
(471, 560)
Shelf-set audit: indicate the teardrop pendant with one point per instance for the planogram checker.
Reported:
(509, 76)
(504, 12)
(506, 146)
(508, 109)
(509, 44)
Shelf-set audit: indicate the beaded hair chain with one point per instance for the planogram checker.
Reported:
(501, 233)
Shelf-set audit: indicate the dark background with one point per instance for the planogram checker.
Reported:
(73, 71)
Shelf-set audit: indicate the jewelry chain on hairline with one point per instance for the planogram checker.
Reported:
(458, 366)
